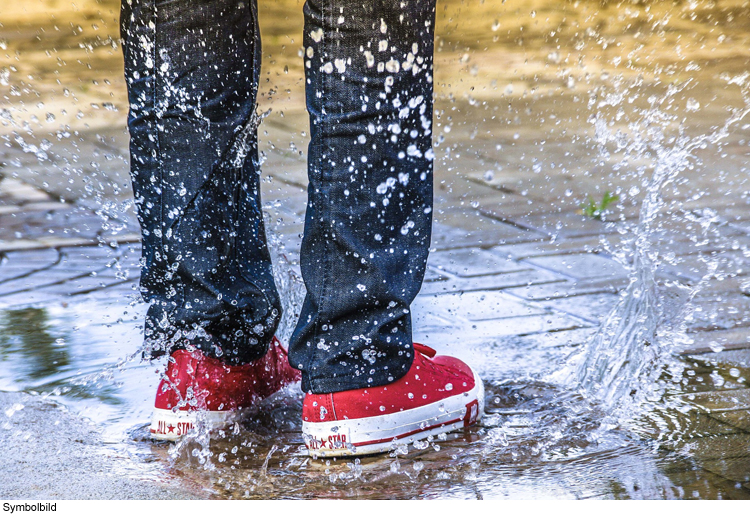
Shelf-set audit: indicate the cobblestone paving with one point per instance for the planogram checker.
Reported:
(524, 286)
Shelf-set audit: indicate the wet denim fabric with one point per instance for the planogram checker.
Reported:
(192, 69)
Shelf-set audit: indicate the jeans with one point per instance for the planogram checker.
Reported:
(192, 69)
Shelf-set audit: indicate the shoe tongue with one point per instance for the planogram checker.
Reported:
(425, 350)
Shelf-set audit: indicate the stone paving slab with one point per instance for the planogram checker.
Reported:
(694, 266)
(282, 169)
(446, 236)
(80, 286)
(736, 469)
(591, 244)
(457, 335)
(569, 289)
(39, 223)
(569, 224)
(432, 275)
(489, 282)
(581, 266)
(685, 481)
(98, 159)
(738, 359)
(720, 312)
(16, 192)
(29, 298)
(20, 263)
(24, 258)
(732, 339)
(741, 225)
(731, 285)
(739, 419)
(54, 274)
(40, 280)
(591, 308)
(563, 337)
(720, 401)
(126, 292)
(9, 209)
(716, 447)
(717, 441)
(522, 326)
(67, 241)
(691, 425)
(475, 306)
(46, 207)
(506, 181)
(79, 266)
(472, 262)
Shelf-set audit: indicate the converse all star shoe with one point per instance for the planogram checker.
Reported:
(439, 394)
(196, 384)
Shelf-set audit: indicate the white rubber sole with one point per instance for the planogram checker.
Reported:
(379, 434)
(171, 425)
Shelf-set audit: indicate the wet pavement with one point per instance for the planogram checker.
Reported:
(539, 108)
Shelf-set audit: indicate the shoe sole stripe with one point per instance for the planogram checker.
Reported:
(404, 435)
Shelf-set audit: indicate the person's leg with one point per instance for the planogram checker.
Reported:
(367, 235)
(192, 70)
(367, 229)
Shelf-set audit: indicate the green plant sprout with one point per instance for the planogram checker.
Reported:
(596, 210)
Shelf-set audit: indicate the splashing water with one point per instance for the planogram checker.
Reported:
(623, 364)
(291, 288)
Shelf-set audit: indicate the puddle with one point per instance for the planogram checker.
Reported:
(536, 440)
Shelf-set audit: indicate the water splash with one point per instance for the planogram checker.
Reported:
(625, 362)
(290, 286)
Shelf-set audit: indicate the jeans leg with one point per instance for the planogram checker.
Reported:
(192, 69)
(367, 229)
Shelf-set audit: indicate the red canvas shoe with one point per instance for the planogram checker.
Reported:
(438, 395)
(194, 382)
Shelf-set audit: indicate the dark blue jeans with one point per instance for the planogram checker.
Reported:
(192, 70)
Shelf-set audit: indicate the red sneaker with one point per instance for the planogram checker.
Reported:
(438, 395)
(195, 382)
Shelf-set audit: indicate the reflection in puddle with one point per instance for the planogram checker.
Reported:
(27, 341)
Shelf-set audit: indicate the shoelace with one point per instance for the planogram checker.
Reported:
(425, 350)
(429, 353)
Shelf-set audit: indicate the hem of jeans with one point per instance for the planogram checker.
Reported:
(205, 346)
(325, 385)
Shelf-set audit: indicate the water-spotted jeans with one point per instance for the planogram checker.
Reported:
(192, 69)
